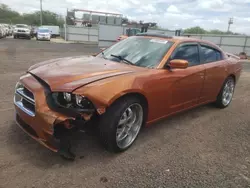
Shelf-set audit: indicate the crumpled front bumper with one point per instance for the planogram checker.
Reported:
(40, 125)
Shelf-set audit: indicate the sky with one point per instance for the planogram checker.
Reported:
(170, 14)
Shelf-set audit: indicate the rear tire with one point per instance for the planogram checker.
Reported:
(226, 93)
(121, 123)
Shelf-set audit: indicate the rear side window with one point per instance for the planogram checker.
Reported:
(189, 53)
(210, 54)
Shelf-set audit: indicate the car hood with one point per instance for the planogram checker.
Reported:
(43, 33)
(20, 28)
(68, 74)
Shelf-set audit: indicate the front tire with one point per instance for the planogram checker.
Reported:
(226, 93)
(121, 124)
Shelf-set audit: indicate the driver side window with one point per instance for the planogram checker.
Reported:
(188, 52)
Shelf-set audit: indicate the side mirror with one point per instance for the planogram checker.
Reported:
(178, 64)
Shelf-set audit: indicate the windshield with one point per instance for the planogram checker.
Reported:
(43, 31)
(140, 51)
(21, 26)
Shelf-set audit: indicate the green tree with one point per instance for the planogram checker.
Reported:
(195, 30)
(6, 14)
(9, 16)
(199, 30)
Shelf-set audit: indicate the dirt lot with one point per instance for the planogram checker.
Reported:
(205, 147)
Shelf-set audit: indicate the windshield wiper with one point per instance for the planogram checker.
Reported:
(123, 59)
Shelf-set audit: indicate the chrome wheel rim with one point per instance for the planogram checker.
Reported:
(228, 91)
(129, 125)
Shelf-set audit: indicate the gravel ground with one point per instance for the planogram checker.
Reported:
(205, 147)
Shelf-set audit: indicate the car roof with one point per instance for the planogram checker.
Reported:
(177, 39)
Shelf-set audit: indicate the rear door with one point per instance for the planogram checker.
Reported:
(188, 83)
(215, 72)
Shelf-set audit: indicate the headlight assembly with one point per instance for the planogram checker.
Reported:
(67, 97)
(72, 101)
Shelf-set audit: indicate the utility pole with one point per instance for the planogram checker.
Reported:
(41, 12)
(230, 21)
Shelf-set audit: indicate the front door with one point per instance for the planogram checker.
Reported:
(188, 83)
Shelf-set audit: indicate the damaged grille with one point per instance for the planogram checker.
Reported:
(24, 99)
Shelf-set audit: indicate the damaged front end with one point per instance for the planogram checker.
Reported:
(55, 115)
(80, 111)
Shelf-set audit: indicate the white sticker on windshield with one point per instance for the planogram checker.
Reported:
(159, 41)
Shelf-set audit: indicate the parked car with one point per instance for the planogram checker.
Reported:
(243, 55)
(7, 29)
(55, 30)
(2, 31)
(129, 32)
(22, 31)
(127, 86)
(43, 34)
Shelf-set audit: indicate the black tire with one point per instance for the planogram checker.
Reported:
(14, 36)
(109, 121)
(219, 102)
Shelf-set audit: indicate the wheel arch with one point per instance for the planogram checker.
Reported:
(233, 76)
(138, 94)
(230, 75)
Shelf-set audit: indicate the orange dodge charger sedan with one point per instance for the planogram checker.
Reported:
(131, 84)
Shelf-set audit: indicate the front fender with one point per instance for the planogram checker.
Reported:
(154, 85)
(103, 93)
